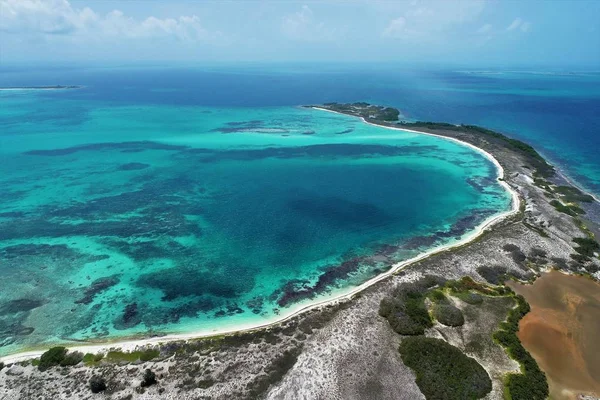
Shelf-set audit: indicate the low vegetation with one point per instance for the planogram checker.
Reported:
(470, 297)
(273, 373)
(467, 284)
(570, 209)
(443, 310)
(405, 310)
(148, 379)
(52, 357)
(366, 110)
(586, 246)
(531, 383)
(97, 384)
(495, 274)
(571, 194)
(92, 359)
(444, 371)
(448, 315)
(120, 356)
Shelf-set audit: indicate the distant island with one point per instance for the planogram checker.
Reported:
(54, 87)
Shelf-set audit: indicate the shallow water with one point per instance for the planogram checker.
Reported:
(130, 218)
(561, 332)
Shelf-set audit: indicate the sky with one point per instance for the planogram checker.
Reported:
(469, 32)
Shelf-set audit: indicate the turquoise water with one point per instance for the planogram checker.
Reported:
(135, 218)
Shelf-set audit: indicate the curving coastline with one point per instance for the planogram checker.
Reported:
(336, 296)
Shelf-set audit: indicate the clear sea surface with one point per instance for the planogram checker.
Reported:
(172, 200)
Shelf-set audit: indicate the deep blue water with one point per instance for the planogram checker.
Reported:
(557, 113)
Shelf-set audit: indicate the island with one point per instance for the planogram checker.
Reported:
(54, 87)
(444, 326)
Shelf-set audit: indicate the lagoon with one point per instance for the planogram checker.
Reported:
(127, 219)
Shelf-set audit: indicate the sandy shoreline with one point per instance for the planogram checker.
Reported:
(129, 345)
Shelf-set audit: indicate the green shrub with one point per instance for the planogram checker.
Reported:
(437, 296)
(73, 358)
(91, 359)
(52, 357)
(443, 371)
(495, 274)
(571, 194)
(587, 246)
(571, 210)
(448, 315)
(206, 383)
(405, 310)
(531, 384)
(467, 283)
(397, 314)
(97, 384)
(148, 355)
(470, 297)
(148, 379)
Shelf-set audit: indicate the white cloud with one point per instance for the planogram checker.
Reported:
(430, 21)
(515, 24)
(303, 25)
(525, 26)
(59, 17)
(487, 28)
(395, 27)
(519, 24)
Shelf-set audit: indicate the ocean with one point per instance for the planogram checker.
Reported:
(164, 200)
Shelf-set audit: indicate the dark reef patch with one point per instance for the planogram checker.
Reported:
(230, 310)
(98, 286)
(145, 250)
(240, 126)
(148, 226)
(130, 317)
(12, 214)
(134, 166)
(480, 184)
(256, 304)
(457, 229)
(139, 146)
(129, 146)
(297, 290)
(19, 305)
(53, 251)
(315, 151)
(420, 241)
(190, 279)
(13, 314)
(160, 208)
(349, 130)
(154, 197)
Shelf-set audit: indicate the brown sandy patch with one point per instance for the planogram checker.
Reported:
(561, 332)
